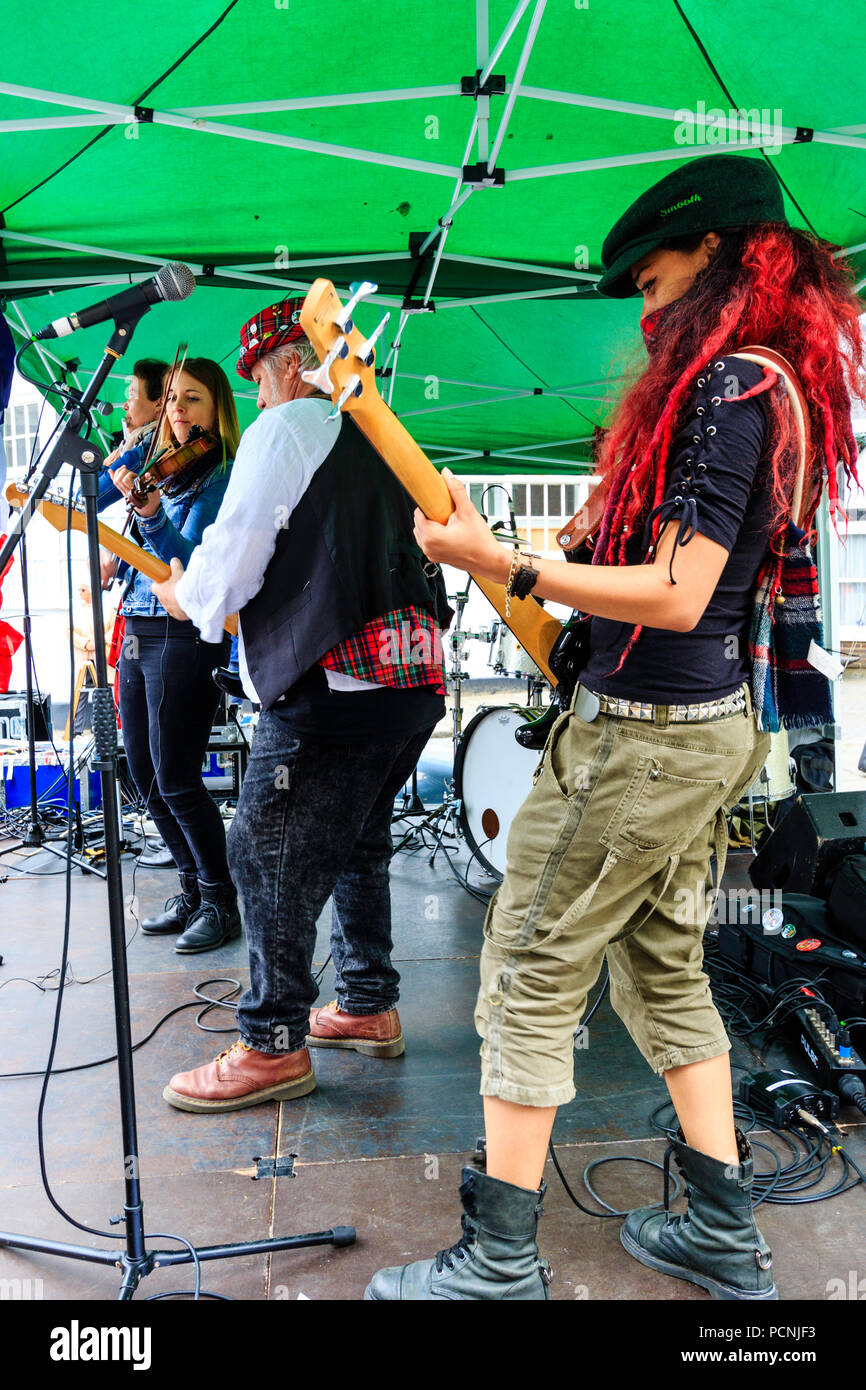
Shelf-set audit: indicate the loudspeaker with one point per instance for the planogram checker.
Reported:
(817, 833)
(13, 716)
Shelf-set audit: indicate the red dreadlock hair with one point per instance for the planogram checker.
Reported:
(771, 284)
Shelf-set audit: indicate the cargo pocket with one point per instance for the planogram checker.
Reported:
(524, 936)
(660, 812)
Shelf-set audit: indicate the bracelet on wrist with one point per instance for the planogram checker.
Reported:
(521, 577)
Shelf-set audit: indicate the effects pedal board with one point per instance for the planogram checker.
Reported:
(826, 1043)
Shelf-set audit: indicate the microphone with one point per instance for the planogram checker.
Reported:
(171, 282)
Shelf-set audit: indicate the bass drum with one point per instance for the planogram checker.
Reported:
(492, 779)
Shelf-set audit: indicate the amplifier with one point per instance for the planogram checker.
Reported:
(13, 717)
(805, 948)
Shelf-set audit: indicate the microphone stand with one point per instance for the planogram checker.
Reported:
(136, 1261)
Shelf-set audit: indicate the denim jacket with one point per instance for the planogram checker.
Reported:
(172, 532)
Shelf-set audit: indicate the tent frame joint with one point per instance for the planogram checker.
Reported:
(494, 86)
(480, 176)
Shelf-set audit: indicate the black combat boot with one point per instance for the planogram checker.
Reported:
(496, 1258)
(178, 910)
(216, 922)
(716, 1244)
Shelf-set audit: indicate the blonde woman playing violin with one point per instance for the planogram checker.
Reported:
(166, 695)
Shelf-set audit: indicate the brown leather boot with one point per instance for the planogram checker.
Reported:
(376, 1035)
(239, 1077)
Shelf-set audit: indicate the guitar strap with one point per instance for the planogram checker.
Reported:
(587, 520)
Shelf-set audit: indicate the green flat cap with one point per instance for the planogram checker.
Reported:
(702, 195)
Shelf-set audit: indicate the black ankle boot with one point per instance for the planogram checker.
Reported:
(178, 910)
(216, 922)
(716, 1244)
(496, 1259)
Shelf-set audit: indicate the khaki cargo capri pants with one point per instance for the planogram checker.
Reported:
(610, 854)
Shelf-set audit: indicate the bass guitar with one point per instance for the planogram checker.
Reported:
(64, 516)
(347, 375)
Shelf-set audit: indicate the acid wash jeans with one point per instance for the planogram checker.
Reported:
(610, 855)
(314, 819)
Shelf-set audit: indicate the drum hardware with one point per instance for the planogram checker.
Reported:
(442, 820)
(493, 776)
(775, 782)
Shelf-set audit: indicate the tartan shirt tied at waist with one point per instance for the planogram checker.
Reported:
(402, 649)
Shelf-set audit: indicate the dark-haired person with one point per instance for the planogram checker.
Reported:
(140, 412)
(166, 695)
(661, 736)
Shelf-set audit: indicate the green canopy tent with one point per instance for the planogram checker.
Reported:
(468, 155)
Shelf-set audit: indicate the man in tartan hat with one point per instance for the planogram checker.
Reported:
(303, 549)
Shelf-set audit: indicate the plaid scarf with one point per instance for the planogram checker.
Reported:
(787, 692)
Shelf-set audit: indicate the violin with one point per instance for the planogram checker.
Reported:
(172, 464)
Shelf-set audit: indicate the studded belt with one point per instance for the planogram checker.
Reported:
(673, 714)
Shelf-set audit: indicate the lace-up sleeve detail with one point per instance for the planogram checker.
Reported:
(715, 455)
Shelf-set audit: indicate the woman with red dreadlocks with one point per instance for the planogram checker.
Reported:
(610, 854)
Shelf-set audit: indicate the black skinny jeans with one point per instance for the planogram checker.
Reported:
(167, 706)
(314, 819)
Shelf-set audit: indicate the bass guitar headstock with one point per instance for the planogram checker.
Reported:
(346, 368)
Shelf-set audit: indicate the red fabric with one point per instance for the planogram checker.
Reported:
(10, 638)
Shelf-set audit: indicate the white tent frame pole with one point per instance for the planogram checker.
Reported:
(553, 271)
(456, 202)
(365, 257)
(560, 292)
(515, 85)
(45, 353)
(583, 166)
(85, 250)
(544, 444)
(482, 54)
(480, 122)
(395, 353)
(444, 224)
(68, 282)
(224, 272)
(292, 142)
(466, 405)
(117, 114)
(509, 29)
(263, 108)
(668, 113)
(28, 123)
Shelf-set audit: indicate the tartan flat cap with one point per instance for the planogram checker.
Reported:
(702, 195)
(270, 329)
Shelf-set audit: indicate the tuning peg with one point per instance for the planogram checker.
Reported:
(321, 377)
(365, 351)
(359, 291)
(353, 387)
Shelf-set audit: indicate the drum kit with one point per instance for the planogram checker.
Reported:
(492, 773)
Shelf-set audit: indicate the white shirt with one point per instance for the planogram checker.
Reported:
(277, 459)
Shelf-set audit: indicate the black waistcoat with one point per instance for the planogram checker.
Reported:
(345, 556)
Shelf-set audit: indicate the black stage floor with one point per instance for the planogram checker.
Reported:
(379, 1144)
